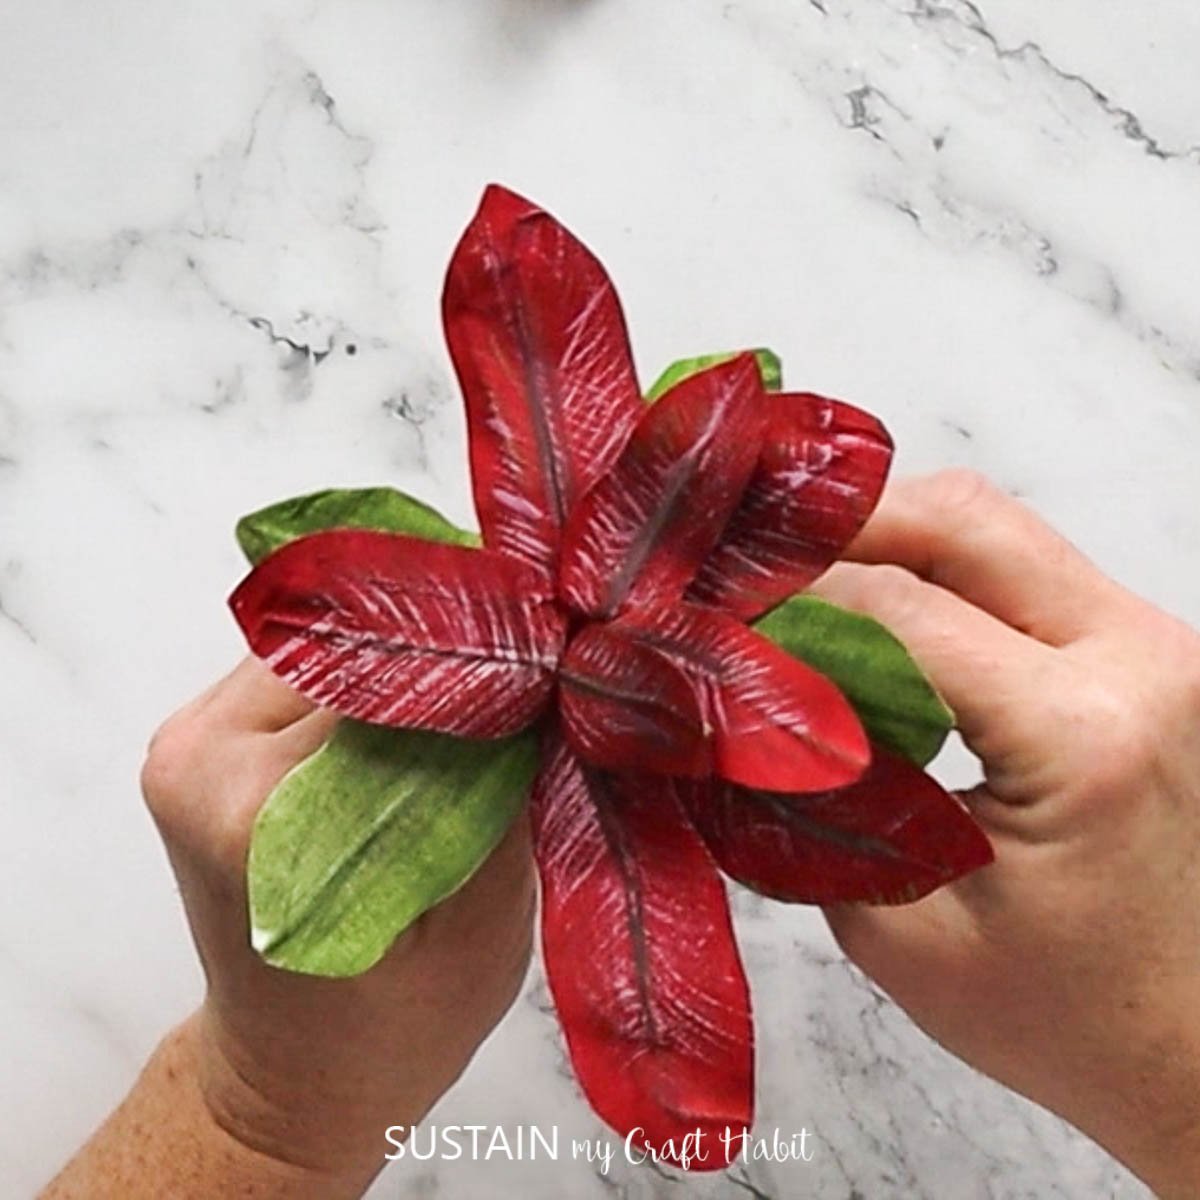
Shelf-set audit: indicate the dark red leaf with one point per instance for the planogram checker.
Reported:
(640, 957)
(539, 343)
(400, 631)
(628, 707)
(776, 723)
(818, 478)
(643, 530)
(891, 838)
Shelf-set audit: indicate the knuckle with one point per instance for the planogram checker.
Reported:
(894, 594)
(1120, 740)
(885, 592)
(169, 763)
(960, 490)
(1191, 678)
(202, 799)
(1181, 673)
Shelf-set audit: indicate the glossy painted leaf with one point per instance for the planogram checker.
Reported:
(397, 631)
(375, 828)
(896, 703)
(640, 957)
(777, 724)
(626, 706)
(641, 533)
(540, 347)
(819, 477)
(262, 532)
(891, 838)
(770, 370)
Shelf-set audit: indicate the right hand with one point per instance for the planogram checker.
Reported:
(1069, 969)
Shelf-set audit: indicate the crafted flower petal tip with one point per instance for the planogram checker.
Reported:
(501, 207)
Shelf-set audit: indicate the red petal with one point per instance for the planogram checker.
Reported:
(893, 837)
(818, 479)
(640, 958)
(539, 343)
(777, 724)
(400, 631)
(642, 532)
(628, 707)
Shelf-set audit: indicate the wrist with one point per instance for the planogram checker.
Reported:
(309, 1125)
(165, 1139)
(1145, 1109)
(268, 1140)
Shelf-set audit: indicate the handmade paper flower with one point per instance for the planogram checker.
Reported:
(601, 629)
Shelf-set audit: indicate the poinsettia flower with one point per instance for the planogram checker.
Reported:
(625, 547)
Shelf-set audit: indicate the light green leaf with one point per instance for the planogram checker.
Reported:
(384, 508)
(769, 367)
(897, 705)
(372, 830)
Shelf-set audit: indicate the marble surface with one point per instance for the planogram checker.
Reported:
(222, 232)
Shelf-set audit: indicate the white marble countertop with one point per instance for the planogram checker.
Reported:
(222, 234)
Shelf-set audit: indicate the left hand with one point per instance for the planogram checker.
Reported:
(307, 1070)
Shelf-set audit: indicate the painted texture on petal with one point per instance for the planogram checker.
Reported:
(539, 343)
(776, 723)
(399, 631)
(891, 838)
(626, 706)
(639, 536)
(640, 956)
(819, 476)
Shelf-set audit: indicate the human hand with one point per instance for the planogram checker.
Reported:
(305, 1070)
(1069, 969)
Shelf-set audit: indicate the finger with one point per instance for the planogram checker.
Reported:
(872, 935)
(988, 673)
(307, 735)
(922, 938)
(251, 699)
(912, 952)
(905, 946)
(957, 530)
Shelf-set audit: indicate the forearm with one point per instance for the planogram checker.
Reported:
(163, 1140)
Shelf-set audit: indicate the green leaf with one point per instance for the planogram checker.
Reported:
(261, 532)
(897, 705)
(769, 367)
(372, 830)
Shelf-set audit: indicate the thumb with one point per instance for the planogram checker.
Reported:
(917, 953)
